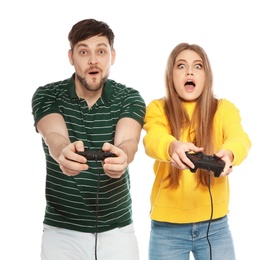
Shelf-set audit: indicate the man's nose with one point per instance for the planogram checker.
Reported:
(93, 60)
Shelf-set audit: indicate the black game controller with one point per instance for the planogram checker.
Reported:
(206, 162)
(96, 155)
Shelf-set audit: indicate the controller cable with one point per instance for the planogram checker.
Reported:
(211, 203)
(97, 194)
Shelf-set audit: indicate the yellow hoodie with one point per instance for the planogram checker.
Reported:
(189, 203)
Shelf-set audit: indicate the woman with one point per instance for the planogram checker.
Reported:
(189, 209)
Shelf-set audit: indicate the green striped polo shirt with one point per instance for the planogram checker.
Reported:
(71, 202)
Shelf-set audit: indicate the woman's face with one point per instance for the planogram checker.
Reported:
(189, 75)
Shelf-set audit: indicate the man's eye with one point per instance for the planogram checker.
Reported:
(83, 52)
(101, 52)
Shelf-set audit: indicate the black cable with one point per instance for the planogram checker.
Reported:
(211, 203)
(97, 210)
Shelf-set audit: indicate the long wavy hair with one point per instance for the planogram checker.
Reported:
(201, 124)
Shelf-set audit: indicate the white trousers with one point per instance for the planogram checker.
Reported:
(64, 244)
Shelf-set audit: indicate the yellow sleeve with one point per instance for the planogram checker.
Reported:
(158, 137)
(235, 138)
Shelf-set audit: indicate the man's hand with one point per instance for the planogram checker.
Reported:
(70, 162)
(114, 167)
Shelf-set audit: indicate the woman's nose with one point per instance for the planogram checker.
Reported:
(189, 71)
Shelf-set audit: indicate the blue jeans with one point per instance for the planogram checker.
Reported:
(170, 241)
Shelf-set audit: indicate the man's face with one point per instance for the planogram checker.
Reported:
(92, 59)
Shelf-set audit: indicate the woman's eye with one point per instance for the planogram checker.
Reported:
(181, 66)
(198, 66)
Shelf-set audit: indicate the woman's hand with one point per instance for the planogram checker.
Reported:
(177, 151)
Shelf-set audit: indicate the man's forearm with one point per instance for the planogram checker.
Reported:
(130, 147)
(54, 132)
(56, 143)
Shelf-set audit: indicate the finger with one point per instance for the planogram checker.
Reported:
(115, 168)
(179, 163)
(79, 146)
(72, 168)
(230, 169)
(173, 163)
(115, 173)
(69, 172)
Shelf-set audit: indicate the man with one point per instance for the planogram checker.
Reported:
(88, 212)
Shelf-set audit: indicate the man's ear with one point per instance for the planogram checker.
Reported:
(70, 56)
(113, 56)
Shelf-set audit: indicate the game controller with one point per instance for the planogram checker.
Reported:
(96, 155)
(206, 162)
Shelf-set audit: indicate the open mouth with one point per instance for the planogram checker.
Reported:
(93, 72)
(189, 85)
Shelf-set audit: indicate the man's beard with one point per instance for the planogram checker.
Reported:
(90, 87)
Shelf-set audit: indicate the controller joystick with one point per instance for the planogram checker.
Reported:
(206, 162)
(96, 155)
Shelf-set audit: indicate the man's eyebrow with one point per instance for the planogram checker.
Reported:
(102, 44)
(81, 45)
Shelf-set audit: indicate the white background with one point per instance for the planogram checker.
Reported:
(240, 38)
